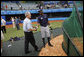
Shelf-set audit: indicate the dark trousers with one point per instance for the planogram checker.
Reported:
(3, 28)
(17, 26)
(29, 38)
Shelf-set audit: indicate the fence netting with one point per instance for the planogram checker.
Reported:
(73, 27)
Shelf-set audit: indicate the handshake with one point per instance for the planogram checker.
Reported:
(35, 28)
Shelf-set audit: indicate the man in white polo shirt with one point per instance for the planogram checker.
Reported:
(28, 28)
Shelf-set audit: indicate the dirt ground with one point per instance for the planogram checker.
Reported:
(78, 44)
(56, 50)
(10, 26)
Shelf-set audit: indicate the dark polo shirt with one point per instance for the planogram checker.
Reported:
(43, 20)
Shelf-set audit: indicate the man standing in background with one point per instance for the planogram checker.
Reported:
(3, 25)
(17, 23)
(13, 22)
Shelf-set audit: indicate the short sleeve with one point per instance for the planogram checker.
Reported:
(24, 26)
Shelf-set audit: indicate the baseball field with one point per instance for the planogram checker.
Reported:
(12, 32)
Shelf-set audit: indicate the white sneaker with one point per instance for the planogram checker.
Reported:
(1, 50)
(9, 45)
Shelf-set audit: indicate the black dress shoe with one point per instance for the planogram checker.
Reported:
(37, 50)
(27, 52)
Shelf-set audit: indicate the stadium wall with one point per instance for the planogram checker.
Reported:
(35, 20)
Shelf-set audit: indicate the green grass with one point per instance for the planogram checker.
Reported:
(11, 32)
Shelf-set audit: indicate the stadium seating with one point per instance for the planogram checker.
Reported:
(15, 5)
(33, 5)
(30, 5)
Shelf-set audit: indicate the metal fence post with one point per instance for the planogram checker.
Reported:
(78, 15)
